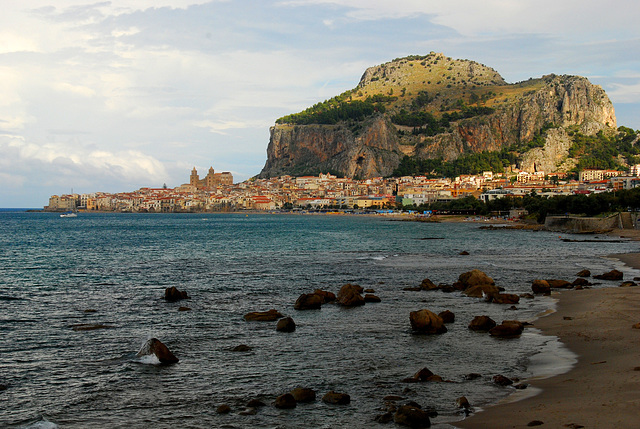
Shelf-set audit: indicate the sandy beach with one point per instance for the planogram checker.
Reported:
(603, 388)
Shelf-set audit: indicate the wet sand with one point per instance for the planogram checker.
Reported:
(603, 388)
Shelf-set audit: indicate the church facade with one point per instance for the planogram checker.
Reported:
(211, 180)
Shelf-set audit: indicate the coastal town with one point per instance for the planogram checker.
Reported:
(217, 192)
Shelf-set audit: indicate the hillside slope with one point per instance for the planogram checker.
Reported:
(435, 107)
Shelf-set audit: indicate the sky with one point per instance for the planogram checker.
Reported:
(112, 96)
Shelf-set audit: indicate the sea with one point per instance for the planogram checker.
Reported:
(112, 270)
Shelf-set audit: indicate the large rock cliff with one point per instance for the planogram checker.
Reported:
(514, 114)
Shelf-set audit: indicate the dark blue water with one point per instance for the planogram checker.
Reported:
(52, 270)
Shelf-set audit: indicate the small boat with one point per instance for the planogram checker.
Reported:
(69, 214)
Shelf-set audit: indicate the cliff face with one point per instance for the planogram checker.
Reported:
(311, 149)
(374, 146)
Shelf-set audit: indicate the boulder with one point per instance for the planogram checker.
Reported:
(423, 374)
(286, 401)
(541, 286)
(172, 294)
(371, 298)
(482, 323)
(428, 285)
(157, 348)
(559, 284)
(464, 253)
(411, 416)
(349, 295)
(336, 398)
(628, 284)
(303, 394)
(584, 273)
(463, 402)
(478, 291)
(426, 322)
(263, 316)
(286, 325)
(507, 329)
(447, 316)
(309, 301)
(611, 275)
(580, 282)
(501, 380)
(255, 403)
(475, 278)
(326, 295)
(506, 298)
(223, 409)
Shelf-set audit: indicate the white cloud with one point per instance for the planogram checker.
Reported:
(625, 93)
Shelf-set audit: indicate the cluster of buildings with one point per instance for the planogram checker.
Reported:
(217, 192)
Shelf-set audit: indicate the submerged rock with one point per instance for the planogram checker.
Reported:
(255, 403)
(263, 316)
(507, 329)
(309, 301)
(349, 295)
(426, 322)
(447, 316)
(303, 394)
(411, 416)
(286, 325)
(541, 286)
(286, 401)
(482, 323)
(157, 348)
(371, 298)
(172, 294)
(336, 398)
(89, 327)
(611, 275)
(223, 409)
(241, 348)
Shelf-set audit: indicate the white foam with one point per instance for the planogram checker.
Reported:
(42, 424)
(149, 360)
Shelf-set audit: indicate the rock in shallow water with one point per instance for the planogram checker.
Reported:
(336, 398)
(263, 316)
(157, 348)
